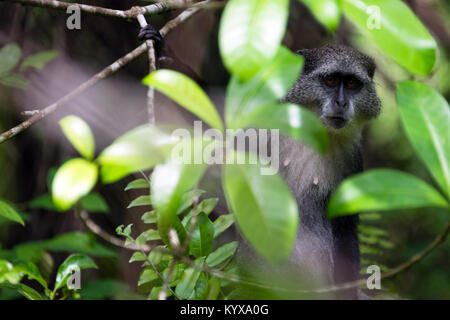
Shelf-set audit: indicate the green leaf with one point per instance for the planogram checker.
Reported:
(250, 34)
(9, 57)
(139, 149)
(202, 236)
(400, 35)
(426, 118)
(168, 184)
(93, 202)
(78, 132)
(138, 256)
(150, 217)
(214, 288)
(382, 189)
(186, 93)
(73, 180)
(265, 210)
(148, 276)
(140, 202)
(137, 184)
(32, 271)
(43, 202)
(75, 242)
(8, 212)
(148, 235)
(201, 288)
(14, 80)
(267, 87)
(222, 223)
(39, 60)
(24, 290)
(221, 254)
(186, 286)
(73, 262)
(327, 12)
(292, 121)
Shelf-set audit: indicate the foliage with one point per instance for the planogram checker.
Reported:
(10, 56)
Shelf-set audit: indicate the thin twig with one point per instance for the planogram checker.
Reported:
(97, 230)
(152, 67)
(111, 69)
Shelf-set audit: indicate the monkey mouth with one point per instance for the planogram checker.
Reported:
(336, 122)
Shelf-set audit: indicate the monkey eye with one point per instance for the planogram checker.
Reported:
(331, 80)
(351, 83)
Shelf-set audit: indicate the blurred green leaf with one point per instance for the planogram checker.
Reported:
(10, 213)
(401, 35)
(73, 262)
(138, 256)
(202, 236)
(139, 149)
(9, 57)
(186, 93)
(137, 184)
(78, 132)
(250, 34)
(168, 184)
(264, 208)
(93, 202)
(293, 121)
(150, 217)
(382, 189)
(327, 12)
(222, 223)
(426, 118)
(32, 271)
(141, 201)
(43, 202)
(267, 87)
(68, 242)
(14, 80)
(186, 286)
(73, 180)
(39, 60)
(221, 254)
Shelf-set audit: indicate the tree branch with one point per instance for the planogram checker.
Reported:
(111, 69)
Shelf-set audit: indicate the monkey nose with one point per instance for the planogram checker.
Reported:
(341, 103)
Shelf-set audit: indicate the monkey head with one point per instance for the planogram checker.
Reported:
(337, 85)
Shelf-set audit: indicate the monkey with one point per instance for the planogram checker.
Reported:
(336, 84)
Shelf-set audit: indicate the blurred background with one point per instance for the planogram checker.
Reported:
(118, 104)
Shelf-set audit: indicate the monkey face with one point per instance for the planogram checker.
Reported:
(337, 85)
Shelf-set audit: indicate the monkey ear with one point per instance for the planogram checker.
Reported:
(308, 54)
(371, 68)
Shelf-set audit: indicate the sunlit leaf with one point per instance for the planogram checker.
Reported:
(327, 12)
(73, 180)
(426, 118)
(267, 87)
(399, 34)
(382, 189)
(79, 134)
(73, 262)
(186, 93)
(250, 34)
(264, 208)
(292, 121)
(139, 149)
